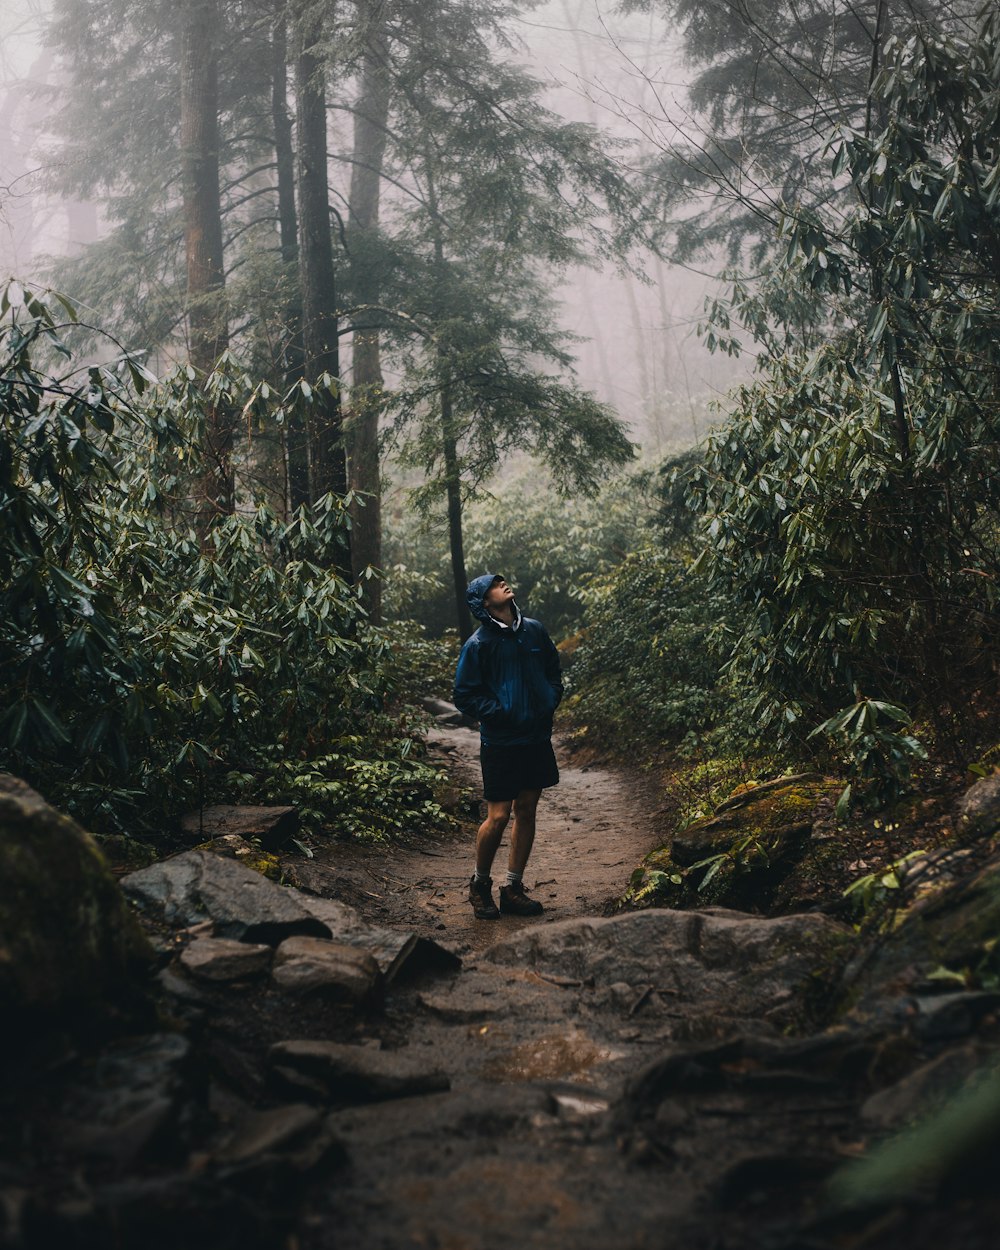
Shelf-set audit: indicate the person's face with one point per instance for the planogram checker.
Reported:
(498, 594)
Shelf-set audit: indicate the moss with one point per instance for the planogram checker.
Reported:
(753, 841)
(232, 846)
(68, 942)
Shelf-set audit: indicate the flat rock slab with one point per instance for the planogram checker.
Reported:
(740, 966)
(198, 886)
(308, 965)
(273, 827)
(223, 959)
(351, 1074)
(401, 955)
(278, 1129)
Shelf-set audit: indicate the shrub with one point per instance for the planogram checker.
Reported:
(142, 669)
(645, 672)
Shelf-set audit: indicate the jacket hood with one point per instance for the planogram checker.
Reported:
(476, 593)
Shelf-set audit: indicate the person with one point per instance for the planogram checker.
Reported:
(508, 678)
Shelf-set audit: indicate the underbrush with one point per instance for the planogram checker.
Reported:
(146, 668)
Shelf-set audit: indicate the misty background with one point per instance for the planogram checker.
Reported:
(638, 347)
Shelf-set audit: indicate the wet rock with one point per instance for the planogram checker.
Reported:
(401, 956)
(979, 807)
(266, 1146)
(69, 945)
(925, 1089)
(351, 1074)
(126, 1105)
(198, 886)
(222, 959)
(262, 1132)
(308, 965)
(947, 1016)
(956, 926)
(272, 827)
(733, 965)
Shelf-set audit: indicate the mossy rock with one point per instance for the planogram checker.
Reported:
(752, 842)
(958, 927)
(771, 819)
(232, 846)
(69, 945)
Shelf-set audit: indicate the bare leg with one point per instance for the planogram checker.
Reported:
(522, 836)
(490, 833)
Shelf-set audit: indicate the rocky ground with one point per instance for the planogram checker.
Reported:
(356, 1062)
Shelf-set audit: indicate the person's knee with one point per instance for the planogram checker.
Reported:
(495, 822)
(525, 808)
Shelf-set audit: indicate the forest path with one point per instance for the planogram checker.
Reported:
(509, 1154)
(593, 828)
(613, 1084)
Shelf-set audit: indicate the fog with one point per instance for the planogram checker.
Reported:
(638, 347)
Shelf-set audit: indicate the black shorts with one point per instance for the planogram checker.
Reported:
(509, 770)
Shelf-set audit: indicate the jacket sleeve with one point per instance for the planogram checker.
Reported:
(471, 696)
(553, 670)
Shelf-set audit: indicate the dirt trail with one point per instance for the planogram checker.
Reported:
(614, 1084)
(507, 1156)
(593, 828)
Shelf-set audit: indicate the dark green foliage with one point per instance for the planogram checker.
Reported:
(645, 673)
(141, 671)
(770, 82)
(852, 500)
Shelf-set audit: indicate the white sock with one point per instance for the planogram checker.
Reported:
(514, 878)
(480, 877)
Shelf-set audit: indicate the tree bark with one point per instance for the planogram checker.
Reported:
(449, 437)
(453, 490)
(327, 460)
(294, 433)
(364, 471)
(208, 329)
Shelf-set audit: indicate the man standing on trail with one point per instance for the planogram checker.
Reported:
(508, 679)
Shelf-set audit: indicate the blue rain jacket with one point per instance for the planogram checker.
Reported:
(507, 679)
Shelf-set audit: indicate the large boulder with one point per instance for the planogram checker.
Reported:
(69, 946)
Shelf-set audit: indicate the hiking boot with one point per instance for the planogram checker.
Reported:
(514, 901)
(481, 898)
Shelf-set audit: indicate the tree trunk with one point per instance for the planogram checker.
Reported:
(327, 460)
(449, 437)
(207, 325)
(294, 433)
(453, 488)
(370, 121)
